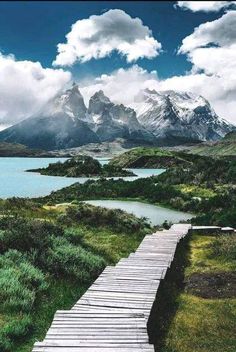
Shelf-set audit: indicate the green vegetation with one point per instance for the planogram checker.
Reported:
(206, 187)
(196, 191)
(148, 157)
(48, 258)
(20, 150)
(84, 166)
(223, 148)
(52, 248)
(205, 319)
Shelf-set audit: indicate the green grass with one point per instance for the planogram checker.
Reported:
(205, 325)
(196, 191)
(219, 149)
(47, 263)
(202, 256)
(111, 245)
(61, 295)
(144, 157)
(222, 148)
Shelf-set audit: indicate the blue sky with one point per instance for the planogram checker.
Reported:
(31, 31)
(120, 47)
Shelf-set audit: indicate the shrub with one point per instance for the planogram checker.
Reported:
(117, 219)
(25, 235)
(20, 281)
(14, 330)
(66, 259)
(73, 235)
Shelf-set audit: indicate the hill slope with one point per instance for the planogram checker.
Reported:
(144, 157)
(18, 150)
(225, 147)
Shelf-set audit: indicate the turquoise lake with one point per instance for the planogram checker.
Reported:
(16, 182)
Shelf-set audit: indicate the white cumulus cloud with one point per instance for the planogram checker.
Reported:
(99, 35)
(25, 87)
(211, 48)
(205, 6)
(220, 32)
(122, 85)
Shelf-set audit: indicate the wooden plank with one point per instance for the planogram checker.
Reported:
(112, 315)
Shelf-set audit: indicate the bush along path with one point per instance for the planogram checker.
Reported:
(114, 311)
(49, 256)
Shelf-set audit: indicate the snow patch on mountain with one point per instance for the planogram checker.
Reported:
(154, 117)
(170, 113)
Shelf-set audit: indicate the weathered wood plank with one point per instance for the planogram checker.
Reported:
(112, 315)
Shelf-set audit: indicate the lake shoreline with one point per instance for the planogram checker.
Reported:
(156, 214)
(17, 182)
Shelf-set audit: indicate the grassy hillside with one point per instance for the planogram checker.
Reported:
(148, 157)
(49, 256)
(15, 149)
(225, 147)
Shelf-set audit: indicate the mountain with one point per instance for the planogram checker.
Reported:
(60, 125)
(111, 121)
(50, 132)
(226, 147)
(71, 102)
(155, 118)
(171, 115)
(66, 123)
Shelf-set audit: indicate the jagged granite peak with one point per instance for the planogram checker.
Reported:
(113, 121)
(59, 125)
(71, 102)
(66, 123)
(98, 102)
(175, 114)
(162, 118)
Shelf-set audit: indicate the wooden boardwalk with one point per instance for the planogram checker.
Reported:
(112, 315)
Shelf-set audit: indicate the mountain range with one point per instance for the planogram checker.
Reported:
(155, 118)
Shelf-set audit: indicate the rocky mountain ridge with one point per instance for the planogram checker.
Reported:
(171, 114)
(155, 118)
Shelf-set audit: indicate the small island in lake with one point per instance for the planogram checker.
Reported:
(82, 166)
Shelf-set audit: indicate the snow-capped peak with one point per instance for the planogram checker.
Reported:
(70, 102)
(177, 113)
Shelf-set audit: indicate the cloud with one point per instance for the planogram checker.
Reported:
(211, 48)
(121, 85)
(98, 36)
(220, 32)
(25, 87)
(205, 6)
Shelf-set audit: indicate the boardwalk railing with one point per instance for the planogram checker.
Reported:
(112, 315)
